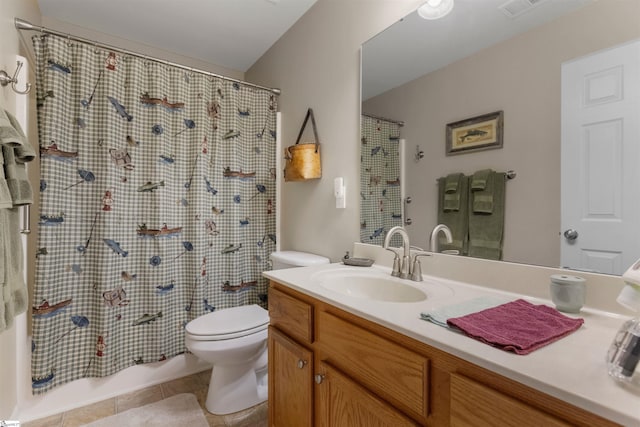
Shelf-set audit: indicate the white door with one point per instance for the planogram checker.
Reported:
(601, 160)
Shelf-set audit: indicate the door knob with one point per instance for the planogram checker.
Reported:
(571, 234)
(301, 363)
(319, 378)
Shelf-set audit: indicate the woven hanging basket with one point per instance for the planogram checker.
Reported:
(303, 160)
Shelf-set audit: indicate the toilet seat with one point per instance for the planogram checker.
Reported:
(229, 323)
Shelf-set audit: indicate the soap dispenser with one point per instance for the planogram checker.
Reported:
(624, 353)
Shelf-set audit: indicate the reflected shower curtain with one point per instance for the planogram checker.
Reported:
(157, 205)
(380, 197)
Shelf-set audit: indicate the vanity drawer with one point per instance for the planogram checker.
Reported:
(474, 404)
(291, 315)
(396, 374)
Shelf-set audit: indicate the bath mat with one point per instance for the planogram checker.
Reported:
(179, 410)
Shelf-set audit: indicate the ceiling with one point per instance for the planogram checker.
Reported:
(414, 47)
(228, 33)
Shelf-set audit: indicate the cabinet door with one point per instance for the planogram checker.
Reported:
(290, 382)
(343, 403)
(476, 405)
(397, 374)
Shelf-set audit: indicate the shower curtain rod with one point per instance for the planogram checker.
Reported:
(21, 24)
(398, 122)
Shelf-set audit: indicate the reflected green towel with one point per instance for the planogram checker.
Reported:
(452, 192)
(440, 315)
(452, 182)
(482, 200)
(456, 220)
(479, 179)
(486, 230)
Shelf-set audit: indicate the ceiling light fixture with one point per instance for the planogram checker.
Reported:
(435, 9)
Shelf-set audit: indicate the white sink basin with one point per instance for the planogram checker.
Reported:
(375, 288)
(373, 284)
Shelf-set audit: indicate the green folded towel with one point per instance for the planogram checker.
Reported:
(486, 230)
(24, 151)
(15, 173)
(482, 200)
(479, 179)
(16, 151)
(451, 193)
(15, 190)
(452, 183)
(14, 298)
(6, 200)
(9, 134)
(456, 220)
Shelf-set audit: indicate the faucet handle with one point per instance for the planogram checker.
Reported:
(395, 272)
(416, 271)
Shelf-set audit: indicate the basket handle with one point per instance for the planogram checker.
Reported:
(313, 124)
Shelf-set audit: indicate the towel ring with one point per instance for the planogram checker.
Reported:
(5, 80)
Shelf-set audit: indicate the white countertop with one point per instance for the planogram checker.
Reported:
(572, 369)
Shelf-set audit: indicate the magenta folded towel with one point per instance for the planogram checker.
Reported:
(517, 326)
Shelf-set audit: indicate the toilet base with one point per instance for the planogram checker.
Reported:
(235, 388)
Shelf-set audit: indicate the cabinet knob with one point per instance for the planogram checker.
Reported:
(319, 378)
(302, 363)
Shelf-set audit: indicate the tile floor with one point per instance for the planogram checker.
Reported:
(196, 384)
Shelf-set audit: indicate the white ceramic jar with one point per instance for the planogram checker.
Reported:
(567, 292)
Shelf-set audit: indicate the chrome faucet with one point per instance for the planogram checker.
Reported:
(433, 243)
(401, 268)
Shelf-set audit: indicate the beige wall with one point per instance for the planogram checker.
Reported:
(316, 64)
(11, 46)
(521, 77)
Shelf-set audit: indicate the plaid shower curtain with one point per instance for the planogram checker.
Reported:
(157, 205)
(380, 195)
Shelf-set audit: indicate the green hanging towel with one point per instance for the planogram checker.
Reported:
(486, 230)
(479, 179)
(456, 220)
(482, 198)
(452, 192)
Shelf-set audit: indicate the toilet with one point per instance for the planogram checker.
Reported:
(234, 341)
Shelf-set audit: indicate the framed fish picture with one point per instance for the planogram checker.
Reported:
(475, 134)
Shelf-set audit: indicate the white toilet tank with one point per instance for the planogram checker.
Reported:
(289, 259)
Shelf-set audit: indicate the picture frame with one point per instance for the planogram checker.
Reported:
(479, 133)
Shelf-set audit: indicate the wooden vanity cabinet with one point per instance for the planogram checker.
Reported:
(330, 368)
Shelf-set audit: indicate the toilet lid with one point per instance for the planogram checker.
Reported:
(230, 322)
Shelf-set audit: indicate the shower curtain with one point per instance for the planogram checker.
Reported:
(157, 205)
(380, 197)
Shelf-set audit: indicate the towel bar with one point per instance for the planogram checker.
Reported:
(26, 220)
(510, 174)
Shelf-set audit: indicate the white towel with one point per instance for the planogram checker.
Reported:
(440, 315)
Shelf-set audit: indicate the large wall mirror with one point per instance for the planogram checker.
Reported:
(526, 59)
